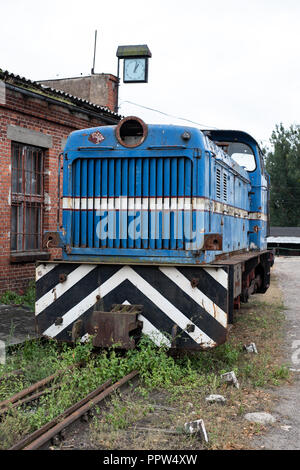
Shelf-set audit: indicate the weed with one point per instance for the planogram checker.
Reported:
(183, 379)
(27, 299)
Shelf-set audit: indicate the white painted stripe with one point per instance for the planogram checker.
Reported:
(186, 203)
(138, 203)
(177, 204)
(148, 329)
(131, 203)
(128, 273)
(219, 275)
(196, 294)
(83, 203)
(258, 216)
(72, 315)
(43, 269)
(145, 204)
(124, 201)
(62, 287)
(169, 309)
(103, 204)
(67, 203)
(174, 203)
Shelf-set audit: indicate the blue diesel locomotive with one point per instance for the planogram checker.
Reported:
(163, 232)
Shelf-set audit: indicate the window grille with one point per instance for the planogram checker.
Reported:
(27, 197)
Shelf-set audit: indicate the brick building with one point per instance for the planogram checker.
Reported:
(35, 121)
(99, 88)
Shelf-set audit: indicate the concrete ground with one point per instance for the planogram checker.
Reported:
(16, 324)
(285, 434)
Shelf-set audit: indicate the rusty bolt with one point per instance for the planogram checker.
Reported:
(190, 328)
(195, 282)
(62, 277)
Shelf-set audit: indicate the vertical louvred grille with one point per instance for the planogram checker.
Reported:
(132, 203)
(218, 183)
(224, 186)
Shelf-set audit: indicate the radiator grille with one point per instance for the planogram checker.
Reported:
(132, 203)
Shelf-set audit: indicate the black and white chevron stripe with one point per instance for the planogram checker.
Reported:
(165, 292)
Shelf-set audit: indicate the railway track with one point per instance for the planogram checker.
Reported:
(33, 392)
(42, 437)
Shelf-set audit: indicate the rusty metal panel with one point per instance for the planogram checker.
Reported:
(116, 327)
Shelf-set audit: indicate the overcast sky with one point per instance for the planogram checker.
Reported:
(230, 64)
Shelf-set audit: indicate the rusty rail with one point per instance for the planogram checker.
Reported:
(40, 384)
(33, 397)
(42, 436)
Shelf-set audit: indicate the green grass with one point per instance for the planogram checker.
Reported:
(179, 376)
(27, 299)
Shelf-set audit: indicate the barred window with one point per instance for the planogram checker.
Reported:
(27, 197)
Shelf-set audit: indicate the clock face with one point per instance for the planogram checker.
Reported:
(135, 70)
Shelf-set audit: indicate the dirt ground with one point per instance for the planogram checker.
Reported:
(286, 434)
(133, 421)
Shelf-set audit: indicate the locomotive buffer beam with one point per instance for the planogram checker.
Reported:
(119, 327)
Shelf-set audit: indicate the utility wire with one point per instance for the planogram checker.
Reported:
(169, 115)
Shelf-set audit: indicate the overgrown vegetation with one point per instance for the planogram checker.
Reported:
(177, 380)
(27, 299)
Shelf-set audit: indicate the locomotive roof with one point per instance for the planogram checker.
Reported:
(232, 135)
(161, 137)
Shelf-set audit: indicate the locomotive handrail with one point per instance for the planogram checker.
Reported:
(96, 148)
(163, 147)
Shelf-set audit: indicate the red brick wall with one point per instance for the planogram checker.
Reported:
(112, 92)
(40, 116)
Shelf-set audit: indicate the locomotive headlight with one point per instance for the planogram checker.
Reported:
(186, 135)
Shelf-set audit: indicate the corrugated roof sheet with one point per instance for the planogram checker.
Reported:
(25, 83)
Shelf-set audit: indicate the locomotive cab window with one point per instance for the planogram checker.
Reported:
(242, 154)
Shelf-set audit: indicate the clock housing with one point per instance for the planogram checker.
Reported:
(135, 70)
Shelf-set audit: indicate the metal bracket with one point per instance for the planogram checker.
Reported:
(119, 327)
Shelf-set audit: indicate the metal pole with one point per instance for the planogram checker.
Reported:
(118, 84)
(95, 44)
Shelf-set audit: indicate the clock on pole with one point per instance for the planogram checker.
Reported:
(135, 67)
